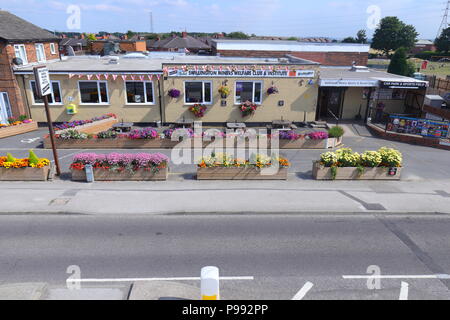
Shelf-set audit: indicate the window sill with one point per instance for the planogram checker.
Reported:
(94, 105)
(140, 104)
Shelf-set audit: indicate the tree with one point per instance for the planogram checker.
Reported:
(361, 37)
(393, 34)
(293, 39)
(238, 35)
(400, 64)
(349, 40)
(130, 34)
(443, 42)
(91, 37)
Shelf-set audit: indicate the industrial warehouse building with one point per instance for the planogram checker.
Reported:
(136, 88)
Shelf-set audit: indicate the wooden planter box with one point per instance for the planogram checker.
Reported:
(310, 144)
(107, 175)
(19, 129)
(94, 127)
(119, 143)
(324, 173)
(238, 174)
(123, 143)
(25, 174)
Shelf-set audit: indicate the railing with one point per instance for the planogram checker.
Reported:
(409, 124)
(334, 116)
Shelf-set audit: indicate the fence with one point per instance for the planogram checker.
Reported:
(438, 86)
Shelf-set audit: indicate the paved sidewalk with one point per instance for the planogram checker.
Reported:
(242, 197)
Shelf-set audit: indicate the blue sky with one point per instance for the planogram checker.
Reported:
(332, 18)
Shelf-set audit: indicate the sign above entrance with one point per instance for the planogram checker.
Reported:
(404, 84)
(349, 83)
(243, 73)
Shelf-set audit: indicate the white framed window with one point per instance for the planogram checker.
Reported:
(40, 52)
(52, 48)
(198, 92)
(21, 52)
(139, 92)
(248, 91)
(93, 92)
(54, 98)
(5, 108)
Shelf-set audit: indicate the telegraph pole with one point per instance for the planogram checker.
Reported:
(151, 22)
(444, 24)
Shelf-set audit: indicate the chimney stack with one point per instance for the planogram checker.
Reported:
(184, 34)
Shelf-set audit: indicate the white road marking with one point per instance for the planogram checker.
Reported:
(157, 279)
(404, 291)
(432, 276)
(303, 291)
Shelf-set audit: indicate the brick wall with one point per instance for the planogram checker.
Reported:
(407, 138)
(335, 58)
(127, 46)
(324, 58)
(8, 81)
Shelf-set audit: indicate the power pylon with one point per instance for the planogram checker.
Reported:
(444, 23)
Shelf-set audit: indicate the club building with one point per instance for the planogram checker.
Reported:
(136, 88)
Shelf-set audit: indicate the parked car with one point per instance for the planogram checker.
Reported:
(447, 100)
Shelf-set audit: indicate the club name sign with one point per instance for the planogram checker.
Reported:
(243, 73)
(404, 85)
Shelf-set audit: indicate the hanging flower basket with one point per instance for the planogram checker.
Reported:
(198, 110)
(272, 90)
(248, 108)
(224, 92)
(174, 93)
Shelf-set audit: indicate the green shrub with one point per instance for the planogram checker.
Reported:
(33, 158)
(336, 132)
(10, 158)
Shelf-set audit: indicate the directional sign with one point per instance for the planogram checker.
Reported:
(44, 86)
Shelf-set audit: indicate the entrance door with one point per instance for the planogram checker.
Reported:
(5, 108)
(330, 102)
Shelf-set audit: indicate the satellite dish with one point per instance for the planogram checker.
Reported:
(70, 51)
(17, 61)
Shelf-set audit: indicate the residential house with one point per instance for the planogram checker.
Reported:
(423, 45)
(176, 44)
(22, 44)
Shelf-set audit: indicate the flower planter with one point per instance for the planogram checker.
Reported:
(119, 143)
(324, 173)
(25, 174)
(233, 173)
(310, 143)
(19, 129)
(108, 175)
(94, 127)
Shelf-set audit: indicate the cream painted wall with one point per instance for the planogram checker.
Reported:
(117, 102)
(354, 99)
(297, 100)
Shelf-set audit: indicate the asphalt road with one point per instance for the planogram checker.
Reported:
(281, 252)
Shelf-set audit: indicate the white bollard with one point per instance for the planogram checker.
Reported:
(210, 288)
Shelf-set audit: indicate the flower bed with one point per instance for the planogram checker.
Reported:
(225, 167)
(121, 167)
(17, 127)
(314, 140)
(344, 164)
(91, 126)
(28, 169)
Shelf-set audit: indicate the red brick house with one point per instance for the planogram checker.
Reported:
(21, 44)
